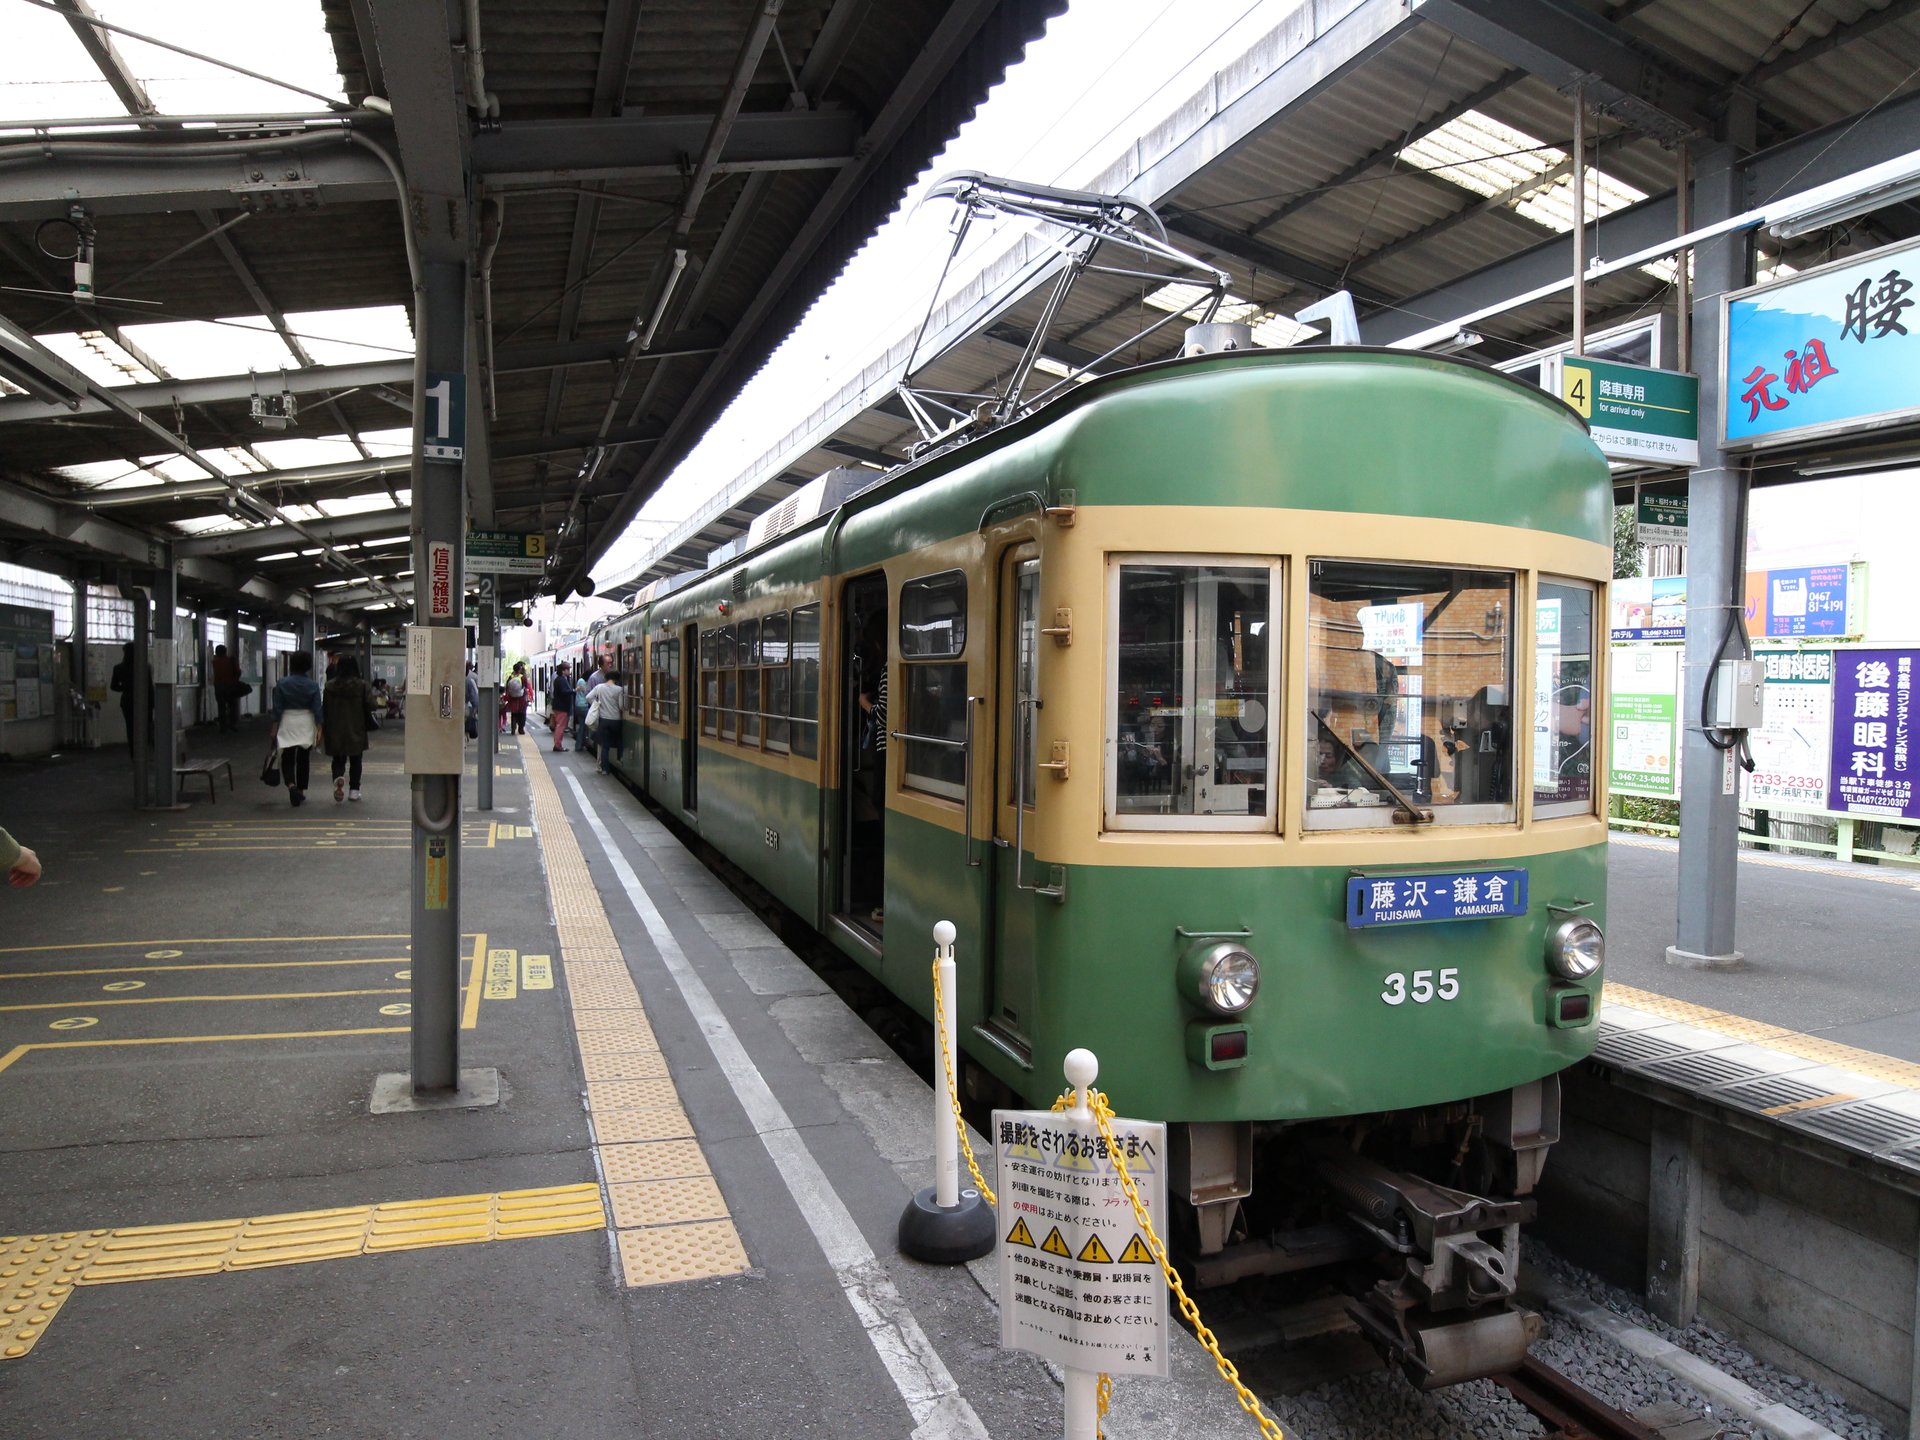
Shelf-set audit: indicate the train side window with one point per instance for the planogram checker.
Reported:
(728, 660)
(1563, 649)
(666, 681)
(750, 683)
(933, 635)
(804, 700)
(1410, 685)
(1194, 675)
(709, 682)
(774, 681)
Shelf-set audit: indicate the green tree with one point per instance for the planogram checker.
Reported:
(1626, 543)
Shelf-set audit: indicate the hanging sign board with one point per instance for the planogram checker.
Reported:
(1635, 412)
(1078, 1283)
(1826, 351)
(506, 552)
(443, 426)
(1662, 520)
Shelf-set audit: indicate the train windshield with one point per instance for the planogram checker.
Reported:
(1194, 689)
(1410, 685)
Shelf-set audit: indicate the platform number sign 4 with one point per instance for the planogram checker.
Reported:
(443, 425)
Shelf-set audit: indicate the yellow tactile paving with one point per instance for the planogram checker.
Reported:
(38, 1273)
(659, 1160)
(671, 1222)
(665, 1254)
(1805, 1047)
(667, 1202)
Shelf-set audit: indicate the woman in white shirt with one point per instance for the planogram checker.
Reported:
(604, 702)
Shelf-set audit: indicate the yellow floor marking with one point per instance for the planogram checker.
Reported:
(197, 999)
(223, 965)
(39, 1273)
(1818, 1102)
(502, 975)
(213, 940)
(470, 1013)
(20, 1050)
(1802, 1046)
(536, 972)
(642, 1136)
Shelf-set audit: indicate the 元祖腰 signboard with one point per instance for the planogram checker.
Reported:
(1078, 1282)
(1642, 709)
(1825, 351)
(1874, 762)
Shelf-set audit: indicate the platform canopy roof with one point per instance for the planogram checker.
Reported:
(1419, 156)
(239, 383)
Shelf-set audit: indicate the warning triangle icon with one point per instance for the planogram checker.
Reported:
(1136, 1252)
(1054, 1245)
(1094, 1253)
(1020, 1235)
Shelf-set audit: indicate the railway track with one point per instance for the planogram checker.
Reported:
(1569, 1410)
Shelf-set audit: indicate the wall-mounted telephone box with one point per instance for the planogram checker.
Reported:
(436, 699)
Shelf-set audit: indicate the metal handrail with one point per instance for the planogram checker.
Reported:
(966, 778)
(1022, 740)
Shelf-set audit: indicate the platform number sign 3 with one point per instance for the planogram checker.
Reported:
(443, 426)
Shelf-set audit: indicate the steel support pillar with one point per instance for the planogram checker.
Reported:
(488, 645)
(439, 518)
(201, 650)
(138, 680)
(1716, 522)
(83, 732)
(166, 679)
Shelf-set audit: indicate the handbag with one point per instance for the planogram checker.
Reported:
(270, 767)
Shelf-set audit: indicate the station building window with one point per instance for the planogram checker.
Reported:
(1563, 686)
(1194, 677)
(805, 699)
(933, 637)
(1410, 694)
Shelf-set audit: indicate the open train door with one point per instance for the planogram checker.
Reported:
(1011, 999)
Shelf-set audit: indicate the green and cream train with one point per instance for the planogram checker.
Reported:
(1239, 712)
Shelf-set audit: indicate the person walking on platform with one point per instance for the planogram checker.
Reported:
(560, 706)
(605, 700)
(348, 703)
(122, 682)
(227, 688)
(297, 718)
(21, 864)
(473, 704)
(514, 696)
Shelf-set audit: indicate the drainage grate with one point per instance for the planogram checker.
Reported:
(1702, 1072)
(1633, 1047)
(1907, 1158)
(1771, 1094)
(1866, 1127)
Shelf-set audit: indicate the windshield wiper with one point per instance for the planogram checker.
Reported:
(1405, 811)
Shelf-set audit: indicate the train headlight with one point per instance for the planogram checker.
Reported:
(1222, 977)
(1576, 949)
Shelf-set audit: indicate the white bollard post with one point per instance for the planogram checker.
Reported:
(946, 1139)
(944, 1224)
(1082, 1068)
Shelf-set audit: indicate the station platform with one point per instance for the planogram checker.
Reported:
(677, 1221)
(1818, 1031)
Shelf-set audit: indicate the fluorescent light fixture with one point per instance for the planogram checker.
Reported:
(1865, 202)
(1887, 183)
(1462, 340)
(1909, 460)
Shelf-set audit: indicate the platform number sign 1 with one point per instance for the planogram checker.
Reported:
(443, 429)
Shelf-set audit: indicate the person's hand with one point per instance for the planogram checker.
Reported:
(25, 870)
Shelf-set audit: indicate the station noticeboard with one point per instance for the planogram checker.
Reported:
(506, 552)
(1791, 747)
(1643, 712)
(1661, 520)
(1635, 413)
(1078, 1282)
(26, 663)
(1827, 351)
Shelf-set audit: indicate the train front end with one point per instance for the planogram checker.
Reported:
(1320, 873)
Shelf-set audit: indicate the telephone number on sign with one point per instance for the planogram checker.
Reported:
(1422, 986)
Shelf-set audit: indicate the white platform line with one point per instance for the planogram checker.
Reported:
(939, 1411)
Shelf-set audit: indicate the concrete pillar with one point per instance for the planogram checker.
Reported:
(1673, 1215)
(1716, 544)
(166, 713)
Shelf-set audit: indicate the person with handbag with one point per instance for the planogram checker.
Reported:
(516, 696)
(297, 720)
(348, 709)
(560, 705)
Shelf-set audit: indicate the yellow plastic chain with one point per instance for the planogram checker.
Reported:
(953, 1096)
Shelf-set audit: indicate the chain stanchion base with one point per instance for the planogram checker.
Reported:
(931, 1233)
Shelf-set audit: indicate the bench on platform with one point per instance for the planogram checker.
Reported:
(208, 768)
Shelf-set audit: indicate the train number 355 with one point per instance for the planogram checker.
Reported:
(1422, 986)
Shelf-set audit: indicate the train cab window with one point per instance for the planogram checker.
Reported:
(1410, 685)
(750, 683)
(805, 697)
(774, 682)
(727, 659)
(709, 682)
(1194, 676)
(933, 636)
(1563, 682)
